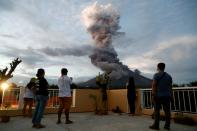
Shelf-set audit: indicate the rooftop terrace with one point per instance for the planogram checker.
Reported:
(184, 101)
(91, 122)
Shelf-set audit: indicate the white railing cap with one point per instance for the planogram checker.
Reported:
(174, 88)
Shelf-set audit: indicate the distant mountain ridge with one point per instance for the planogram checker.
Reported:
(140, 82)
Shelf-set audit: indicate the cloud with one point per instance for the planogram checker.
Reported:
(50, 34)
(179, 44)
(36, 57)
(8, 36)
(52, 58)
(139, 62)
(74, 51)
(178, 53)
(29, 56)
(6, 5)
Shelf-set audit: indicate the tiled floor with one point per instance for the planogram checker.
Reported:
(91, 122)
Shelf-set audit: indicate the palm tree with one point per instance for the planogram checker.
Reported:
(6, 74)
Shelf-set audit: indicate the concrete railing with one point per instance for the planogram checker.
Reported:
(10, 98)
(13, 98)
(184, 99)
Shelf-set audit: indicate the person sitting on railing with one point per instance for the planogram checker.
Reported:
(28, 97)
(161, 93)
(65, 97)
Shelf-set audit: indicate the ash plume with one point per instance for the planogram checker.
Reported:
(102, 22)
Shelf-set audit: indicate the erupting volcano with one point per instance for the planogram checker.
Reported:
(102, 22)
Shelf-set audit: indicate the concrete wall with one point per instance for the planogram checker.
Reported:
(83, 102)
(118, 98)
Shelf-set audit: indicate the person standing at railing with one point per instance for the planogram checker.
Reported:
(131, 95)
(161, 94)
(41, 99)
(65, 97)
(28, 97)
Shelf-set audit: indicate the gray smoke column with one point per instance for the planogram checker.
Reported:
(102, 22)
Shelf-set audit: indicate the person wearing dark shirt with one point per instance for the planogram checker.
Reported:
(162, 94)
(41, 99)
(131, 95)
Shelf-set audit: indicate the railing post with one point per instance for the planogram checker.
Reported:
(142, 99)
(21, 93)
(190, 108)
(174, 100)
(195, 100)
(187, 101)
(184, 100)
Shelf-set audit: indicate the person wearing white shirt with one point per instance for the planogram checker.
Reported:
(29, 97)
(65, 97)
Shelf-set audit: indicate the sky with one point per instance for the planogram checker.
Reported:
(50, 34)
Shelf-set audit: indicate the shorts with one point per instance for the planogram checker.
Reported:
(65, 102)
(28, 100)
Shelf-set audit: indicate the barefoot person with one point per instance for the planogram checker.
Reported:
(41, 99)
(28, 97)
(65, 98)
(161, 93)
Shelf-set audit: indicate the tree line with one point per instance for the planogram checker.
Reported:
(190, 84)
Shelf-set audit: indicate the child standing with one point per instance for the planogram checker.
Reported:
(29, 97)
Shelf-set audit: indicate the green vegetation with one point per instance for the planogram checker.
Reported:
(6, 74)
(190, 84)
